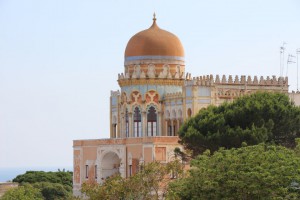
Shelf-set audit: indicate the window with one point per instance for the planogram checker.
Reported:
(152, 121)
(86, 171)
(95, 171)
(169, 130)
(130, 170)
(114, 130)
(127, 123)
(137, 122)
(189, 113)
(174, 130)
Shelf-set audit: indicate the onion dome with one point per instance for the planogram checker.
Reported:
(154, 43)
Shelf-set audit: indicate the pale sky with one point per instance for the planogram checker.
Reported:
(59, 60)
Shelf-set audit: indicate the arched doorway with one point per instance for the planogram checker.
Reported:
(110, 165)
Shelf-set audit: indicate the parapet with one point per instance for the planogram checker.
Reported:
(209, 80)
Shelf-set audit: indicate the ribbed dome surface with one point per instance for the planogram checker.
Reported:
(154, 42)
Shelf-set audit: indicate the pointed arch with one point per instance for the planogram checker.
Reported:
(137, 121)
(152, 121)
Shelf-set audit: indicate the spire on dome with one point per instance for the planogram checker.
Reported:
(154, 25)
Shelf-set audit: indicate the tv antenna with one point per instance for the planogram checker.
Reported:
(282, 49)
(289, 61)
(297, 53)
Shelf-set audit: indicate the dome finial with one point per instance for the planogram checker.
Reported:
(154, 17)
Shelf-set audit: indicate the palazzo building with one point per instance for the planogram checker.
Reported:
(156, 95)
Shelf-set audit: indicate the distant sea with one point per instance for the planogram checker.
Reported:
(7, 174)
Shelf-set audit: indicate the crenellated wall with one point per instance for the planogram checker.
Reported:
(295, 97)
(210, 80)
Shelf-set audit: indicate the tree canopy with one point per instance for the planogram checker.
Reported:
(44, 185)
(24, 192)
(252, 172)
(151, 182)
(255, 118)
(62, 177)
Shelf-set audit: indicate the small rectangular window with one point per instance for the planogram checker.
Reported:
(86, 171)
(95, 171)
(174, 130)
(130, 170)
(170, 130)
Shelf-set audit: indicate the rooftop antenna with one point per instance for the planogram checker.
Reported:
(297, 53)
(282, 49)
(289, 61)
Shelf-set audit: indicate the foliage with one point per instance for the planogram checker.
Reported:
(25, 192)
(53, 191)
(62, 177)
(49, 185)
(150, 183)
(255, 118)
(252, 172)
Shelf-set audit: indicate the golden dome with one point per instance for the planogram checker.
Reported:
(154, 42)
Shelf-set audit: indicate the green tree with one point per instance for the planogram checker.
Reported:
(51, 185)
(150, 183)
(62, 177)
(53, 191)
(25, 192)
(252, 172)
(255, 118)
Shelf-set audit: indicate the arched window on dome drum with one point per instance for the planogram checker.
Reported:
(126, 123)
(151, 121)
(137, 122)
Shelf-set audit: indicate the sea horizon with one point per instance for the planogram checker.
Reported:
(9, 173)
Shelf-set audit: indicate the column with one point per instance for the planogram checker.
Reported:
(144, 124)
(178, 122)
(161, 123)
(130, 125)
(172, 129)
(121, 132)
(166, 128)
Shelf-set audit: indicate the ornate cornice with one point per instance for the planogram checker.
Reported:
(127, 82)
